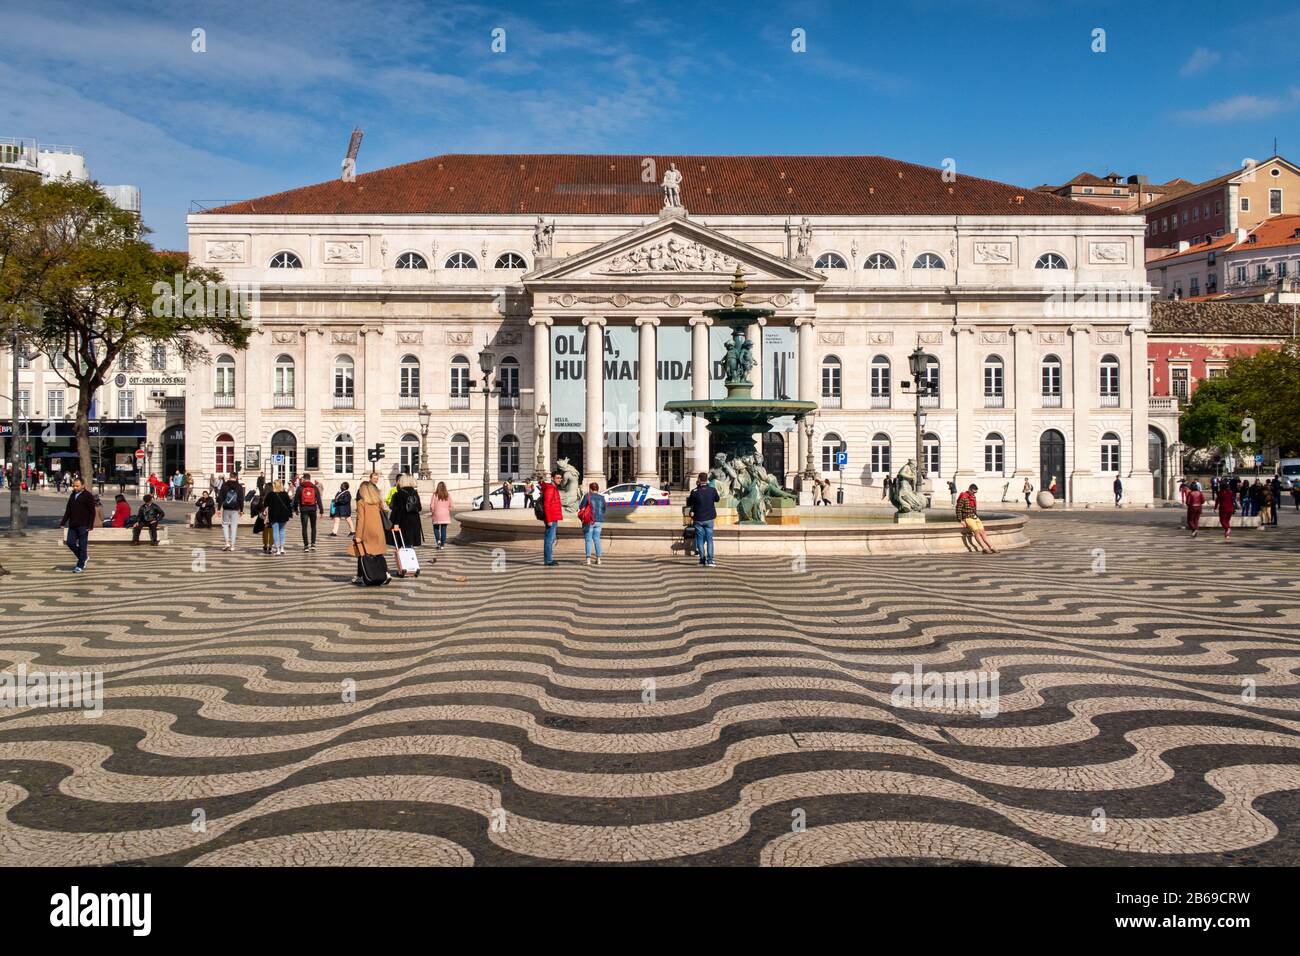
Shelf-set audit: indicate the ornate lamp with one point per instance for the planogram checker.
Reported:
(425, 415)
(540, 419)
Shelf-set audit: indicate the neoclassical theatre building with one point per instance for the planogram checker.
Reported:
(378, 293)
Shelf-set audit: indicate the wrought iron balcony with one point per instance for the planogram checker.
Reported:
(344, 401)
(223, 400)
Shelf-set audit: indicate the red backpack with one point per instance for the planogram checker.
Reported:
(307, 495)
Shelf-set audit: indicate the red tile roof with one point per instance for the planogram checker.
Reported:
(1272, 232)
(612, 185)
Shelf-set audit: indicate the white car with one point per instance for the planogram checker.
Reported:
(1289, 472)
(634, 496)
(497, 498)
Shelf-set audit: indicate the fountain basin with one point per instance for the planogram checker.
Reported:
(835, 530)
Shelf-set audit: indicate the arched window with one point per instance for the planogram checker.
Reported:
(508, 456)
(1051, 260)
(1110, 452)
(286, 260)
(1109, 385)
(225, 459)
(343, 454)
(993, 382)
(284, 385)
(224, 383)
(930, 380)
(157, 358)
(510, 260)
(459, 379)
(460, 260)
(831, 445)
(830, 260)
(831, 383)
(412, 260)
(880, 381)
(409, 454)
(994, 453)
(459, 461)
(408, 382)
(344, 381)
(1051, 377)
(928, 260)
(930, 449)
(879, 260)
(880, 454)
(508, 377)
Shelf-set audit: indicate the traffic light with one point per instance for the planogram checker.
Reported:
(377, 452)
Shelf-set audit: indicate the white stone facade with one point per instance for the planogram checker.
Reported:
(982, 301)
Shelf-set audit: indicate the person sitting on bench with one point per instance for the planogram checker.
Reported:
(149, 516)
(206, 508)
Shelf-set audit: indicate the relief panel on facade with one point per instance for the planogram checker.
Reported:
(993, 253)
(224, 250)
(344, 250)
(1107, 253)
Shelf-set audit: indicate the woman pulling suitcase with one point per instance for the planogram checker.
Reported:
(369, 546)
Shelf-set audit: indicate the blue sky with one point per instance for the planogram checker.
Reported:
(1010, 90)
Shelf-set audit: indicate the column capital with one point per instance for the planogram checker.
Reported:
(1080, 327)
(802, 320)
(1022, 330)
(700, 320)
(761, 321)
(651, 320)
(959, 329)
(541, 320)
(590, 320)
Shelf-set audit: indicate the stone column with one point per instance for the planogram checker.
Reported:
(541, 325)
(755, 335)
(593, 445)
(1137, 486)
(699, 392)
(1025, 396)
(966, 390)
(255, 384)
(372, 377)
(308, 391)
(807, 389)
(1081, 395)
(647, 465)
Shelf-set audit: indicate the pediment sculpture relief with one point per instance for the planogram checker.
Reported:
(671, 255)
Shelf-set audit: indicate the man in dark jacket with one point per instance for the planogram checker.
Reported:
(148, 517)
(553, 511)
(230, 499)
(703, 505)
(79, 518)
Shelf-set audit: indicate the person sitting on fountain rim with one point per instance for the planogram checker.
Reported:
(967, 514)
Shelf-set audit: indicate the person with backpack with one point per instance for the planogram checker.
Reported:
(148, 517)
(440, 514)
(702, 503)
(231, 498)
(277, 507)
(341, 510)
(307, 505)
(405, 509)
(968, 515)
(591, 512)
(369, 539)
(551, 511)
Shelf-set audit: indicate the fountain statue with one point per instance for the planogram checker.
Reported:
(738, 473)
(904, 495)
(569, 485)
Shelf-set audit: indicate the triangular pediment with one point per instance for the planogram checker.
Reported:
(672, 251)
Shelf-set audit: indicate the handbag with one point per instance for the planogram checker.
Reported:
(584, 513)
(386, 519)
(259, 525)
(374, 569)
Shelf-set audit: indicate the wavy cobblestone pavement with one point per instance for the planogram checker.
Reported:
(650, 712)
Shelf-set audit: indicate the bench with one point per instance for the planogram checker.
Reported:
(1245, 521)
(123, 535)
(216, 520)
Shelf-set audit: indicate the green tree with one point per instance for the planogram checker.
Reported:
(1266, 387)
(1211, 420)
(108, 289)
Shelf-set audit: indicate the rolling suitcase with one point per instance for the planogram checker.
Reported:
(407, 562)
(374, 569)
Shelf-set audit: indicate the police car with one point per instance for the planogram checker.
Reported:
(634, 496)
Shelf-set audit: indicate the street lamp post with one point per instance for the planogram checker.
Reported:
(916, 364)
(809, 469)
(424, 443)
(486, 362)
(148, 457)
(17, 451)
(540, 419)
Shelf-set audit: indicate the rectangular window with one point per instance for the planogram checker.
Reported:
(508, 375)
(24, 401)
(1110, 456)
(1245, 204)
(1109, 380)
(158, 358)
(830, 381)
(1196, 214)
(992, 380)
(54, 403)
(1241, 273)
(508, 458)
(1281, 269)
(24, 360)
(879, 381)
(410, 459)
(880, 463)
(1178, 380)
(460, 381)
(1218, 207)
(459, 464)
(343, 382)
(1274, 202)
(1211, 282)
(1261, 271)
(126, 403)
(993, 452)
(1184, 217)
(1164, 223)
(931, 449)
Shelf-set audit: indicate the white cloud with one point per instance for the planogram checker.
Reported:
(1244, 107)
(1200, 61)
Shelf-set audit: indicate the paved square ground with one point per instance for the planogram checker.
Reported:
(647, 711)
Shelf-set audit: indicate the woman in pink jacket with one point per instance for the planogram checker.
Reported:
(440, 509)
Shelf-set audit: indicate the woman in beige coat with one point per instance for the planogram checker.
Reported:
(370, 526)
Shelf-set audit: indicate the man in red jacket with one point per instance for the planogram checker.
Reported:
(554, 512)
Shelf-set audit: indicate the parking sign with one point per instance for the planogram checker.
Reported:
(841, 458)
